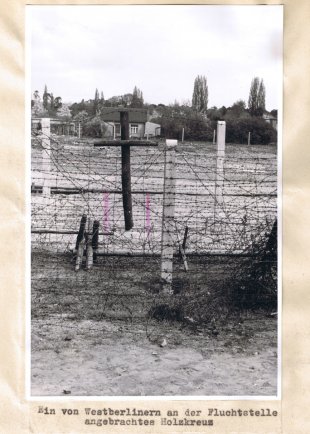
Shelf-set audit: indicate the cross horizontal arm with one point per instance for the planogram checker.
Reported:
(125, 143)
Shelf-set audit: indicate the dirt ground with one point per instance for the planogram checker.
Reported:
(98, 358)
(81, 348)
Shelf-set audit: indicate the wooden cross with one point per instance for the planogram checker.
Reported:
(125, 144)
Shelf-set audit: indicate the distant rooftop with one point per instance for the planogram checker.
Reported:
(111, 114)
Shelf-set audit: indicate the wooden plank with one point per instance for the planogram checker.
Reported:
(89, 255)
(185, 238)
(182, 251)
(79, 255)
(95, 239)
(81, 231)
(125, 142)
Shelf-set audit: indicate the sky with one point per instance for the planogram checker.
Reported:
(159, 49)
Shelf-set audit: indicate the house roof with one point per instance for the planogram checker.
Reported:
(111, 114)
(269, 116)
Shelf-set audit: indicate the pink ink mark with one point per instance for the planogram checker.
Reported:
(148, 213)
(106, 210)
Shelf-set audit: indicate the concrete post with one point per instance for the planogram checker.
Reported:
(219, 181)
(220, 138)
(249, 138)
(168, 225)
(182, 135)
(46, 155)
(213, 137)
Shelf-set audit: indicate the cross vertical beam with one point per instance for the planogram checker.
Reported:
(126, 174)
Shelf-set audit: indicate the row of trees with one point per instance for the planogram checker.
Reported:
(49, 105)
(195, 117)
(199, 121)
(256, 100)
(198, 126)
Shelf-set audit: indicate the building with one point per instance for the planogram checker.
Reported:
(111, 117)
(271, 120)
(58, 126)
(152, 129)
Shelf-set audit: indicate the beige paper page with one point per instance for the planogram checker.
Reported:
(289, 414)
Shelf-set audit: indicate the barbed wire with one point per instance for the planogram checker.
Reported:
(229, 212)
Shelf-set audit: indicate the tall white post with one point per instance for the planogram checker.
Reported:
(168, 225)
(219, 182)
(220, 138)
(182, 135)
(79, 130)
(46, 155)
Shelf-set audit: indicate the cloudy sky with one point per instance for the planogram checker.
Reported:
(160, 49)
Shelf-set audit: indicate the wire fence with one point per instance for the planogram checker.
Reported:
(225, 211)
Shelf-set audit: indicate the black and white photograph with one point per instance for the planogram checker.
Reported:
(154, 200)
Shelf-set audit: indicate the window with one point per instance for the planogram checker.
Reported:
(117, 129)
(133, 128)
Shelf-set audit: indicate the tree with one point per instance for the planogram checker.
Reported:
(45, 98)
(262, 132)
(261, 96)
(217, 114)
(257, 95)
(36, 104)
(50, 103)
(175, 117)
(57, 103)
(101, 100)
(237, 110)
(63, 112)
(274, 113)
(94, 127)
(79, 107)
(137, 98)
(81, 116)
(127, 100)
(96, 101)
(200, 94)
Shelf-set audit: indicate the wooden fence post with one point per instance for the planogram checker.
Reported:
(80, 243)
(168, 225)
(95, 239)
(46, 156)
(89, 252)
(126, 175)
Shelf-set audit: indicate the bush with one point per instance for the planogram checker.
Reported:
(261, 131)
(94, 127)
(175, 118)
